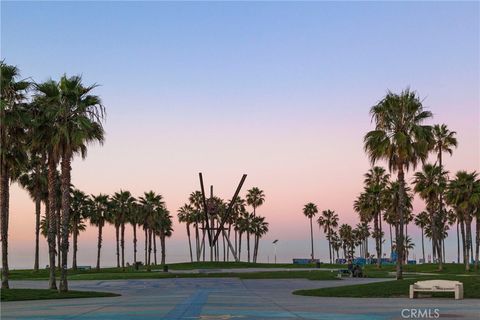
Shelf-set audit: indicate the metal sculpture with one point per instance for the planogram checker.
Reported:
(210, 210)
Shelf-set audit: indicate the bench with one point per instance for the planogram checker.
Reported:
(342, 272)
(437, 286)
(84, 267)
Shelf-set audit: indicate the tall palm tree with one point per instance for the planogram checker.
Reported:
(463, 197)
(78, 212)
(185, 215)
(329, 221)
(74, 118)
(255, 198)
(402, 140)
(13, 124)
(370, 204)
(98, 215)
(310, 210)
(259, 229)
(196, 201)
(123, 202)
(348, 240)
(151, 203)
(34, 180)
(429, 184)
(422, 220)
(444, 140)
(163, 228)
(135, 218)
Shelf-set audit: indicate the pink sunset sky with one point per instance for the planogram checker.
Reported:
(288, 104)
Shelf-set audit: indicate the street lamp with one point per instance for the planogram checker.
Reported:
(275, 249)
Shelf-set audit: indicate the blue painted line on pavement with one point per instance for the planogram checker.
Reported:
(191, 307)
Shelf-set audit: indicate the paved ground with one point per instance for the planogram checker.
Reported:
(225, 298)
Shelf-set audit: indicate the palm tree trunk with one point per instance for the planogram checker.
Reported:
(391, 240)
(380, 240)
(117, 236)
(122, 243)
(134, 225)
(52, 207)
(58, 228)
(149, 247)
(189, 242)
(400, 216)
(38, 202)
(146, 244)
(197, 242)
(471, 237)
(477, 241)
(4, 208)
(311, 239)
(65, 187)
(423, 246)
(99, 244)
(162, 243)
(239, 245)
(458, 243)
(248, 245)
(155, 248)
(75, 236)
(376, 231)
(468, 241)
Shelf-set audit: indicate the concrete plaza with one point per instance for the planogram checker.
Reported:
(225, 298)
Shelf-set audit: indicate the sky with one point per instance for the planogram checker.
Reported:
(280, 91)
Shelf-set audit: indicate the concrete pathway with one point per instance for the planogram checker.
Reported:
(226, 298)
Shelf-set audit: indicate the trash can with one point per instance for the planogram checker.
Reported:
(317, 264)
(165, 268)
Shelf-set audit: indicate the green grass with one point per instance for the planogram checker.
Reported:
(42, 294)
(394, 288)
(312, 275)
(231, 265)
(370, 271)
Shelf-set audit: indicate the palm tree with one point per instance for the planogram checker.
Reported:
(310, 210)
(135, 218)
(123, 202)
(336, 242)
(163, 228)
(402, 140)
(74, 119)
(98, 215)
(34, 180)
(422, 220)
(13, 122)
(328, 220)
(392, 199)
(462, 195)
(429, 184)
(444, 140)
(151, 203)
(259, 229)
(185, 215)
(348, 240)
(79, 211)
(370, 204)
(255, 198)
(196, 201)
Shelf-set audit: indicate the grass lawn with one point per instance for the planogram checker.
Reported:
(371, 271)
(394, 288)
(312, 275)
(42, 294)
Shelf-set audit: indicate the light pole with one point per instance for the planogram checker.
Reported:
(275, 249)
